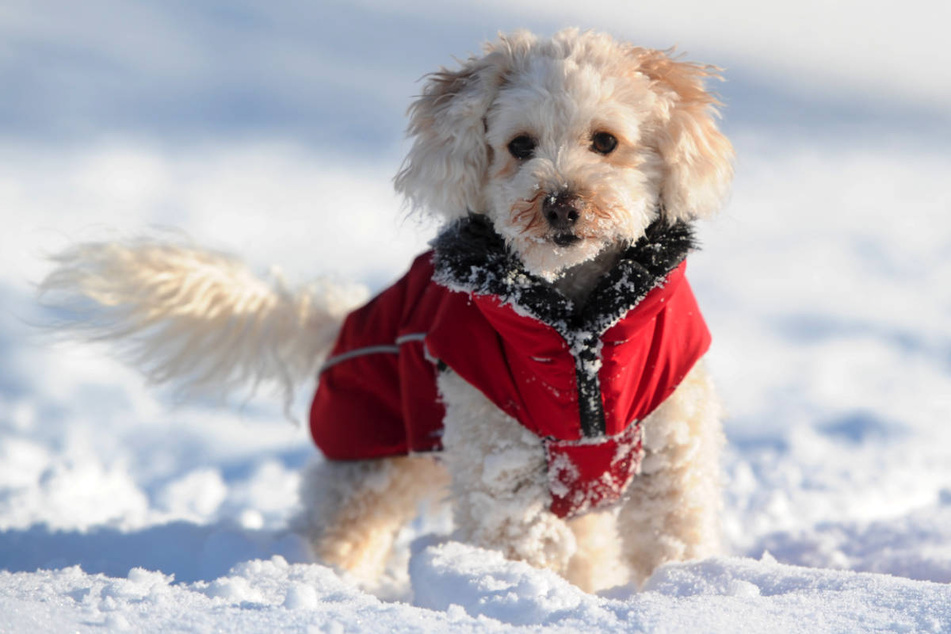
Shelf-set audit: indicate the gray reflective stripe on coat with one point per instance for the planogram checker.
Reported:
(384, 349)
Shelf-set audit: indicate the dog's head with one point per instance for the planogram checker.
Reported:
(568, 145)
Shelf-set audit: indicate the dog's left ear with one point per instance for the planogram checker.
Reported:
(698, 159)
(445, 170)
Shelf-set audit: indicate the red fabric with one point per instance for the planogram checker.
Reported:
(527, 370)
(646, 355)
(583, 476)
(382, 404)
(521, 364)
(383, 401)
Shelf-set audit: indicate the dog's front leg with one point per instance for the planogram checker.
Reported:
(352, 511)
(672, 513)
(499, 481)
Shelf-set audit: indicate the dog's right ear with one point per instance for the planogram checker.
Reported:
(445, 170)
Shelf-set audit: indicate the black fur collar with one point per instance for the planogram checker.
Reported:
(471, 257)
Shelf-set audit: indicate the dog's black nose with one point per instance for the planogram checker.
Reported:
(561, 210)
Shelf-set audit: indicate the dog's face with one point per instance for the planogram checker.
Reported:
(568, 145)
(567, 172)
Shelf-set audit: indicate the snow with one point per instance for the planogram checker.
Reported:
(461, 589)
(825, 283)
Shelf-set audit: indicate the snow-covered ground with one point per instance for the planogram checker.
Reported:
(826, 283)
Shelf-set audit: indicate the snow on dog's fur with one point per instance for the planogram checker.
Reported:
(571, 147)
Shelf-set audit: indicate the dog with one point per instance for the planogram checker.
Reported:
(540, 369)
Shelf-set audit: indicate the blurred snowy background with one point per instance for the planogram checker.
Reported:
(273, 130)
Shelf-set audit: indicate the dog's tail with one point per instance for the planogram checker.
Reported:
(197, 320)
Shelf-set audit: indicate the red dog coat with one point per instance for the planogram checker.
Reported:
(581, 381)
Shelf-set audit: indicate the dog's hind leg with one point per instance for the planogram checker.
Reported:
(672, 513)
(499, 481)
(352, 511)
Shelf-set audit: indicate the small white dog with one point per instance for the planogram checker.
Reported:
(549, 345)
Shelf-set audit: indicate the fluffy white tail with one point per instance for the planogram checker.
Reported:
(197, 320)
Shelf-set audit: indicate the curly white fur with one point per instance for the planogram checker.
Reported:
(500, 492)
(499, 480)
(351, 512)
(195, 319)
(673, 509)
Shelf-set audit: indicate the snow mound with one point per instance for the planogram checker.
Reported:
(461, 588)
(452, 575)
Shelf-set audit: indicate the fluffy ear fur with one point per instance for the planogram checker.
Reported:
(445, 170)
(698, 159)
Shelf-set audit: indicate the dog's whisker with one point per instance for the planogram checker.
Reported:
(526, 213)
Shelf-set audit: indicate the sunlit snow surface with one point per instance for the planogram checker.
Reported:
(826, 283)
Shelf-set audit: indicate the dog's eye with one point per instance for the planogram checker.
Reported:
(522, 147)
(603, 142)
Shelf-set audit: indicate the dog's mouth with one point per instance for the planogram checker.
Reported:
(565, 239)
